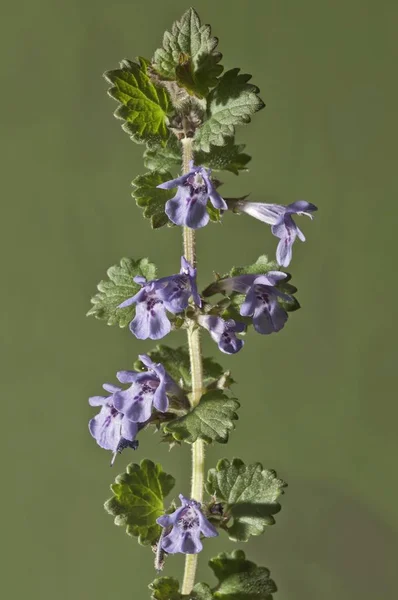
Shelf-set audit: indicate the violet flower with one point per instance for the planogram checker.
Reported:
(187, 523)
(189, 205)
(281, 221)
(224, 332)
(111, 429)
(261, 300)
(155, 297)
(147, 389)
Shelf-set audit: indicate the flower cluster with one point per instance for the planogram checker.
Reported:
(158, 296)
(124, 412)
(183, 528)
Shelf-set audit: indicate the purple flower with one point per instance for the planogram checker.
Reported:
(187, 523)
(224, 332)
(147, 388)
(281, 219)
(189, 205)
(111, 429)
(155, 297)
(261, 300)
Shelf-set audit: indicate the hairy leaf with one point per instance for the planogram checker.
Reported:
(189, 55)
(137, 499)
(211, 420)
(164, 158)
(176, 362)
(165, 588)
(118, 288)
(261, 266)
(250, 494)
(152, 199)
(229, 157)
(143, 106)
(240, 579)
(201, 591)
(231, 103)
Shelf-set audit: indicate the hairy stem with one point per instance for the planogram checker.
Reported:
(195, 354)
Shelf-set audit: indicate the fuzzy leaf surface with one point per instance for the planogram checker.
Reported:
(142, 106)
(189, 55)
(118, 287)
(165, 588)
(240, 579)
(231, 103)
(250, 494)
(151, 199)
(137, 499)
(164, 158)
(229, 157)
(211, 420)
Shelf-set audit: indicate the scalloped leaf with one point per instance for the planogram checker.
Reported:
(231, 103)
(211, 420)
(249, 494)
(164, 158)
(118, 288)
(189, 55)
(229, 157)
(152, 199)
(137, 499)
(144, 107)
(165, 588)
(240, 579)
(177, 364)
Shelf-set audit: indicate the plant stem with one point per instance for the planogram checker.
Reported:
(195, 355)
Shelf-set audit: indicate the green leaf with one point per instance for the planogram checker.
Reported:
(220, 158)
(137, 499)
(201, 591)
(240, 579)
(229, 157)
(261, 266)
(118, 288)
(250, 494)
(189, 55)
(165, 588)
(211, 420)
(152, 199)
(163, 158)
(143, 106)
(231, 103)
(177, 364)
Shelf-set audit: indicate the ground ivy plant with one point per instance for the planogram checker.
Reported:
(184, 108)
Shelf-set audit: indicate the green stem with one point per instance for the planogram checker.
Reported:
(195, 355)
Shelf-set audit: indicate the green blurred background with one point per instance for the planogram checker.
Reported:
(318, 400)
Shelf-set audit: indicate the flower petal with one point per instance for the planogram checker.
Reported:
(206, 527)
(168, 185)
(301, 207)
(134, 404)
(188, 210)
(105, 428)
(98, 400)
(270, 320)
(111, 388)
(127, 376)
(249, 304)
(271, 278)
(129, 429)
